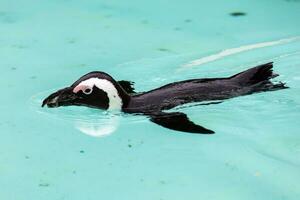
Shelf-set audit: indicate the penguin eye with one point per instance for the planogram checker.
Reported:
(87, 90)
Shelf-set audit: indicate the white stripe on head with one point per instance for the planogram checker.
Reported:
(115, 101)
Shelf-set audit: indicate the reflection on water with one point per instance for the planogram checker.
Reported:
(92, 122)
(97, 127)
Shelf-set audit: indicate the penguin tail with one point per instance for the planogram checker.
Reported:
(259, 78)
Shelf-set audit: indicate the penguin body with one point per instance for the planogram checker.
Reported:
(100, 90)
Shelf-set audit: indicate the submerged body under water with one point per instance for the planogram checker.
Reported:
(44, 153)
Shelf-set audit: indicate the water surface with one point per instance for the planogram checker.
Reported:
(46, 45)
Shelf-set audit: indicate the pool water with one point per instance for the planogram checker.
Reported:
(58, 154)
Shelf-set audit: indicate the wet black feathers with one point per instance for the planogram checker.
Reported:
(127, 86)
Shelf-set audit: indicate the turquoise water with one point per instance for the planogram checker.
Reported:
(50, 154)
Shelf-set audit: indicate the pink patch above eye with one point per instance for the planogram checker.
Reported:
(79, 88)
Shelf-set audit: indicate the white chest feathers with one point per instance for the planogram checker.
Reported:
(114, 99)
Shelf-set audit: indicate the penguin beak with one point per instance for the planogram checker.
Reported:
(63, 97)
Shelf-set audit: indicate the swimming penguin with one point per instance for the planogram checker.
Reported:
(100, 90)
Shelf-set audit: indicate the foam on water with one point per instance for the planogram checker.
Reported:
(238, 50)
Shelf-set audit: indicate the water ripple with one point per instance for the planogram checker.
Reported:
(92, 122)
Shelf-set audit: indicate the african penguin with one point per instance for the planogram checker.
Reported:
(100, 90)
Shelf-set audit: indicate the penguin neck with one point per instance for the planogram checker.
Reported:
(125, 97)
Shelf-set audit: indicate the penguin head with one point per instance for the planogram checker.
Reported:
(95, 89)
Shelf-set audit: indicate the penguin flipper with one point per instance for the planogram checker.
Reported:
(178, 121)
(127, 86)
